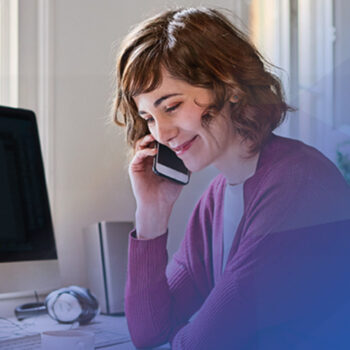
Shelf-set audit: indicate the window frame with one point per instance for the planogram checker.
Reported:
(27, 47)
(9, 52)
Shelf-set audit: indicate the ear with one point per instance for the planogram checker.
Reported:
(234, 97)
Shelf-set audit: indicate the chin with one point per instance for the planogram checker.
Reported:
(196, 161)
(194, 167)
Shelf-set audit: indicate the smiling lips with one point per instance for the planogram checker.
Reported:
(184, 147)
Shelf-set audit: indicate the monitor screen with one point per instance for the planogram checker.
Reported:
(26, 231)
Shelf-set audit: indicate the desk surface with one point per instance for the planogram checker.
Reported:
(110, 332)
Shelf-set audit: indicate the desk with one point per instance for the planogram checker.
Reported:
(110, 332)
(130, 346)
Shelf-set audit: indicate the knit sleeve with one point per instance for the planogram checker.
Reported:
(160, 299)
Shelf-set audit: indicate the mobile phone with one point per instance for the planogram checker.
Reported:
(167, 164)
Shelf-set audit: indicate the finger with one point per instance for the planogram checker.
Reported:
(144, 142)
(141, 155)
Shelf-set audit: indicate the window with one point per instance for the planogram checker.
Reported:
(9, 52)
(316, 37)
(342, 66)
(270, 32)
(298, 36)
(26, 63)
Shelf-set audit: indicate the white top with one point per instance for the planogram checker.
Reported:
(233, 211)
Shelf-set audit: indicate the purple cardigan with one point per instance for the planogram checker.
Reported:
(280, 270)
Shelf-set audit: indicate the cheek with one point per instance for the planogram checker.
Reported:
(153, 131)
(218, 132)
(192, 119)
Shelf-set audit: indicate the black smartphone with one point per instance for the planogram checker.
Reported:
(167, 164)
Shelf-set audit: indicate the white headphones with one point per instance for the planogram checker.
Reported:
(65, 305)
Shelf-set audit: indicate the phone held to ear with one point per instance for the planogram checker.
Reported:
(167, 164)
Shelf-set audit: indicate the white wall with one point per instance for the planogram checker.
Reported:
(91, 181)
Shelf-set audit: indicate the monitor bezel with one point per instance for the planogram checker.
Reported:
(46, 250)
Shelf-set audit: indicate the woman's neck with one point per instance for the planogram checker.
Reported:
(236, 163)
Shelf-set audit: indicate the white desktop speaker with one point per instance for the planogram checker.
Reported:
(107, 255)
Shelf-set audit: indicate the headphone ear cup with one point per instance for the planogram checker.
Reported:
(72, 304)
(51, 300)
(88, 302)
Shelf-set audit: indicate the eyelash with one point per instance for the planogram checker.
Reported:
(171, 109)
(167, 110)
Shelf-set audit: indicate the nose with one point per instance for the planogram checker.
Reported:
(165, 130)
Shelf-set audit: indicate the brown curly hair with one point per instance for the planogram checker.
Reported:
(203, 48)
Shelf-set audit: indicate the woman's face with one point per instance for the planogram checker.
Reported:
(174, 112)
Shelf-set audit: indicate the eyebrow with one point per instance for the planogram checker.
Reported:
(160, 100)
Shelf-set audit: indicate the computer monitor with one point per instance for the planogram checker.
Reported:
(28, 257)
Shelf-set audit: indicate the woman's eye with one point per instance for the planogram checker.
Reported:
(149, 120)
(172, 108)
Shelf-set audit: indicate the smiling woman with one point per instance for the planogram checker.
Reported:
(269, 233)
(176, 43)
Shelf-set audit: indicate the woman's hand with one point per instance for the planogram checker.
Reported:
(155, 196)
